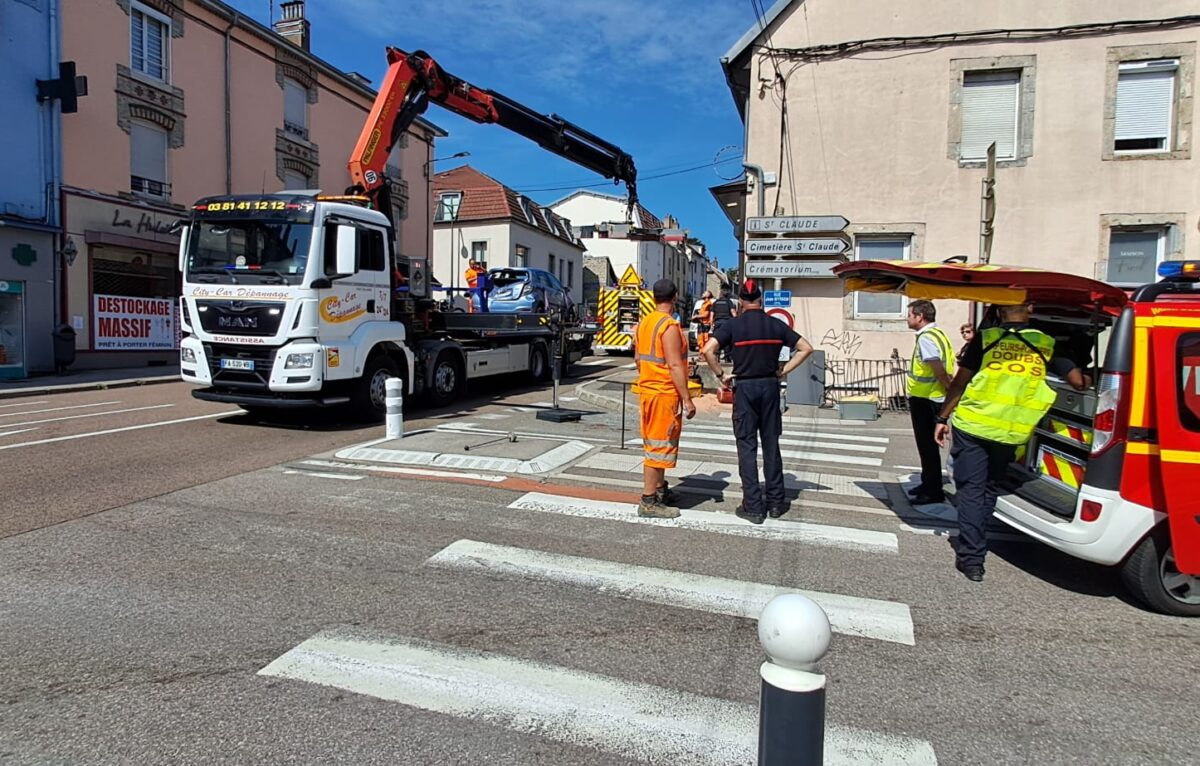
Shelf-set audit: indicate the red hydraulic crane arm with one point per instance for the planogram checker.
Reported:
(415, 79)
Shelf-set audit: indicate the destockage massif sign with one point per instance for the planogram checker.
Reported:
(133, 324)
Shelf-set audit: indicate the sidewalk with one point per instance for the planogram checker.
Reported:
(88, 380)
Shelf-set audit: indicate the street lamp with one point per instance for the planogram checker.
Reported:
(439, 159)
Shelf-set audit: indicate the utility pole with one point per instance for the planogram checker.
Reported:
(987, 215)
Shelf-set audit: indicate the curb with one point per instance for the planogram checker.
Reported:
(98, 385)
(597, 399)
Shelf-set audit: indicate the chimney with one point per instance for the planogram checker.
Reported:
(292, 26)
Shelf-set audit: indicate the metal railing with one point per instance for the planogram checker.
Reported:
(884, 378)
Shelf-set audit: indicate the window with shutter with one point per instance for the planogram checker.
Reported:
(149, 32)
(990, 108)
(1145, 106)
(294, 181)
(295, 109)
(148, 160)
(880, 305)
(1134, 255)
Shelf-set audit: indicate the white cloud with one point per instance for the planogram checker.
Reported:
(637, 48)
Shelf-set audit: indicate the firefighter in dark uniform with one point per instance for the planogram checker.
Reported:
(755, 340)
(722, 311)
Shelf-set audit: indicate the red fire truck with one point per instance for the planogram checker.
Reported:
(1107, 475)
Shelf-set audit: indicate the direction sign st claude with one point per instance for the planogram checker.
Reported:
(797, 224)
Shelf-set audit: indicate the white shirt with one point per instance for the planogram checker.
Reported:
(930, 351)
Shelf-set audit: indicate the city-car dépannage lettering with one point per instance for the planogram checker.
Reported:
(130, 327)
(335, 309)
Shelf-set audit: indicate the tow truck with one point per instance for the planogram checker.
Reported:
(1107, 475)
(298, 299)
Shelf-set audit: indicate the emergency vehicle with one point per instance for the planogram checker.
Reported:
(1107, 475)
(298, 299)
(621, 308)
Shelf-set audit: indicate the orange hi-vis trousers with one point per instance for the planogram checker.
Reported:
(662, 423)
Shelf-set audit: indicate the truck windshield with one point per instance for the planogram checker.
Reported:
(248, 251)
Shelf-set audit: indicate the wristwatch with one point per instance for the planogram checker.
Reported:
(941, 421)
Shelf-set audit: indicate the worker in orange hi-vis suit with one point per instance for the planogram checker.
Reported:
(661, 354)
(476, 278)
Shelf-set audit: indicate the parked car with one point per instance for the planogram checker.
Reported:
(518, 290)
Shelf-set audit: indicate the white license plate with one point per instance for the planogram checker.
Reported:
(237, 364)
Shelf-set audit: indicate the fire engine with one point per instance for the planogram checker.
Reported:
(1107, 474)
(298, 299)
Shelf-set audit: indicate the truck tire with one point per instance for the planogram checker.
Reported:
(1150, 575)
(539, 362)
(448, 379)
(368, 399)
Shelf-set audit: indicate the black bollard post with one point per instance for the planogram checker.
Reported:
(794, 632)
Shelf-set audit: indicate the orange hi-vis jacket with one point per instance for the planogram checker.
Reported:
(654, 376)
(471, 275)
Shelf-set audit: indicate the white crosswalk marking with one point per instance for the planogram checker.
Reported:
(869, 618)
(634, 720)
(727, 428)
(789, 442)
(816, 534)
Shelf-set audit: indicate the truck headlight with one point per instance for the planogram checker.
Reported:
(187, 355)
(298, 362)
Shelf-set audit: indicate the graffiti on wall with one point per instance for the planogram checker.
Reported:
(846, 343)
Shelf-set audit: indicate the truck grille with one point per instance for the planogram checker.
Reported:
(259, 377)
(240, 317)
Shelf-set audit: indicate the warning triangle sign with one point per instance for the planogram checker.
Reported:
(630, 278)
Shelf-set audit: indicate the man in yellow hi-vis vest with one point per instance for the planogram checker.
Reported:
(929, 375)
(997, 397)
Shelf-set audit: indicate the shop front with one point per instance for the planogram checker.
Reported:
(26, 300)
(122, 290)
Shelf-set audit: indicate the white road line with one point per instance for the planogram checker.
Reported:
(934, 529)
(788, 442)
(721, 523)
(18, 431)
(22, 404)
(730, 493)
(322, 475)
(726, 428)
(634, 720)
(865, 617)
(55, 409)
(495, 478)
(119, 430)
(493, 416)
(811, 457)
(727, 473)
(92, 415)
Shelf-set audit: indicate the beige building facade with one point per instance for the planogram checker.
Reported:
(190, 98)
(883, 113)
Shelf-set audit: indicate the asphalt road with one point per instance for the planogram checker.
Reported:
(141, 634)
(67, 455)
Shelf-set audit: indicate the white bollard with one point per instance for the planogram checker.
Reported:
(794, 632)
(395, 408)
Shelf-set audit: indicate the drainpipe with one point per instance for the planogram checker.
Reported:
(54, 157)
(228, 110)
(761, 187)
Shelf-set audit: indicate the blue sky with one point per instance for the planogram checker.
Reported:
(643, 74)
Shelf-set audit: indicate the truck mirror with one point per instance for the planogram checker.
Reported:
(184, 232)
(347, 250)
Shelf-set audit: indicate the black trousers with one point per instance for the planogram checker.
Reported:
(756, 415)
(924, 414)
(979, 467)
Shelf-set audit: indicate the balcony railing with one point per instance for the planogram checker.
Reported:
(149, 187)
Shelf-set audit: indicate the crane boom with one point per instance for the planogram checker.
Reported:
(415, 79)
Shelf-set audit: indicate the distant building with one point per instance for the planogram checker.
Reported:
(477, 217)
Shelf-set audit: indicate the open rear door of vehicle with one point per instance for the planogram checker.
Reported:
(1174, 362)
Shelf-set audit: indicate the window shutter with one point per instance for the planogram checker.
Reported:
(137, 34)
(989, 113)
(155, 45)
(1144, 102)
(148, 152)
(295, 104)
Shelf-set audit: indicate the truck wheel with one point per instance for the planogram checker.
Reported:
(369, 399)
(448, 379)
(539, 362)
(1151, 576)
